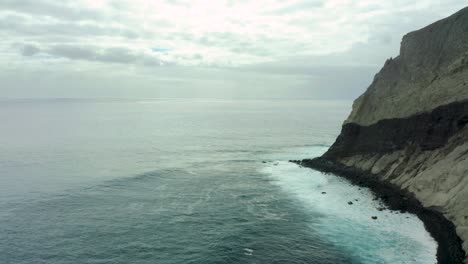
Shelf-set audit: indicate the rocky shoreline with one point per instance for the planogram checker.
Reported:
(449, 251)
(406, 137)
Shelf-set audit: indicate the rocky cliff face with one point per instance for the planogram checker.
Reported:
(430, 71)
(409, 129)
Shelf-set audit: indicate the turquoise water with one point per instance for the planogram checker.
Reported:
(186, 181)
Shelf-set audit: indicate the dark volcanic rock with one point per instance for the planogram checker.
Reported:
(407, 136)
(450, 249)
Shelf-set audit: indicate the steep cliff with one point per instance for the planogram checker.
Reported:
(409, 130)
(430, 71)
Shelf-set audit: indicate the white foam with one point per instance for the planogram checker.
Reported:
(391, 238)
(248, 251)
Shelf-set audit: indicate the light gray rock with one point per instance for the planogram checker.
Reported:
(431, 71)
(438, 178)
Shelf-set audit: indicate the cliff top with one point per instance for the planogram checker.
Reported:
(431, 70)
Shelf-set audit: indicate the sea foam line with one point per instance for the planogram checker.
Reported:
(391, 238)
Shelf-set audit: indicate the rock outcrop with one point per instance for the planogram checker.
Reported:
(409, 130)
(430, 71)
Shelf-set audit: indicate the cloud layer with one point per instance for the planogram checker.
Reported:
(312, 39)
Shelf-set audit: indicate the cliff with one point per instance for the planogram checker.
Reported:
(430, 71)
(408, 132)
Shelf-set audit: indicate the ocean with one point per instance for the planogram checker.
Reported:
(200, 181)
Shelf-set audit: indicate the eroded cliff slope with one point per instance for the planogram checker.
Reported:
(430, 71)
(409, 129)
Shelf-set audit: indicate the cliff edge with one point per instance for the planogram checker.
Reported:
(409, 131)
(430, 71)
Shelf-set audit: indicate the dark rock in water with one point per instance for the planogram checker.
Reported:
(424, 67)
(356, 200)
(296, 161)
(409, 129)
(350, 203)
(449, 250)
(264, 162)
(324, 192)
(380, 208)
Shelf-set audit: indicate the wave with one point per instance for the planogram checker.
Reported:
(348, 214)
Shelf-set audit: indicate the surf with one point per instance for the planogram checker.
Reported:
(352, 218)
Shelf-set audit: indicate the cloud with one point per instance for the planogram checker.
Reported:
(24, 25)
(309, 43)
(106, 55)
(64, 9)
(29, 50)
(299, 6)
(73, 52)
(223, 33)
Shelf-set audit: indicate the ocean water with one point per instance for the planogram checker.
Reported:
(186, 181)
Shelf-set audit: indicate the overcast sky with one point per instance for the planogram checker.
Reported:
(322, 49)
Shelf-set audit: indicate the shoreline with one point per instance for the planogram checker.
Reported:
(449, 249)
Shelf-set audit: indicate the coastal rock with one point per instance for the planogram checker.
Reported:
(429, 72)
(407, 135)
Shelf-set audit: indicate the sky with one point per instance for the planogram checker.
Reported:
(240, 49)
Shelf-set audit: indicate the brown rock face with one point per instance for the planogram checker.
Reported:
(409, 132)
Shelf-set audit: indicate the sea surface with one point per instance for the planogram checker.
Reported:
(185, 181)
